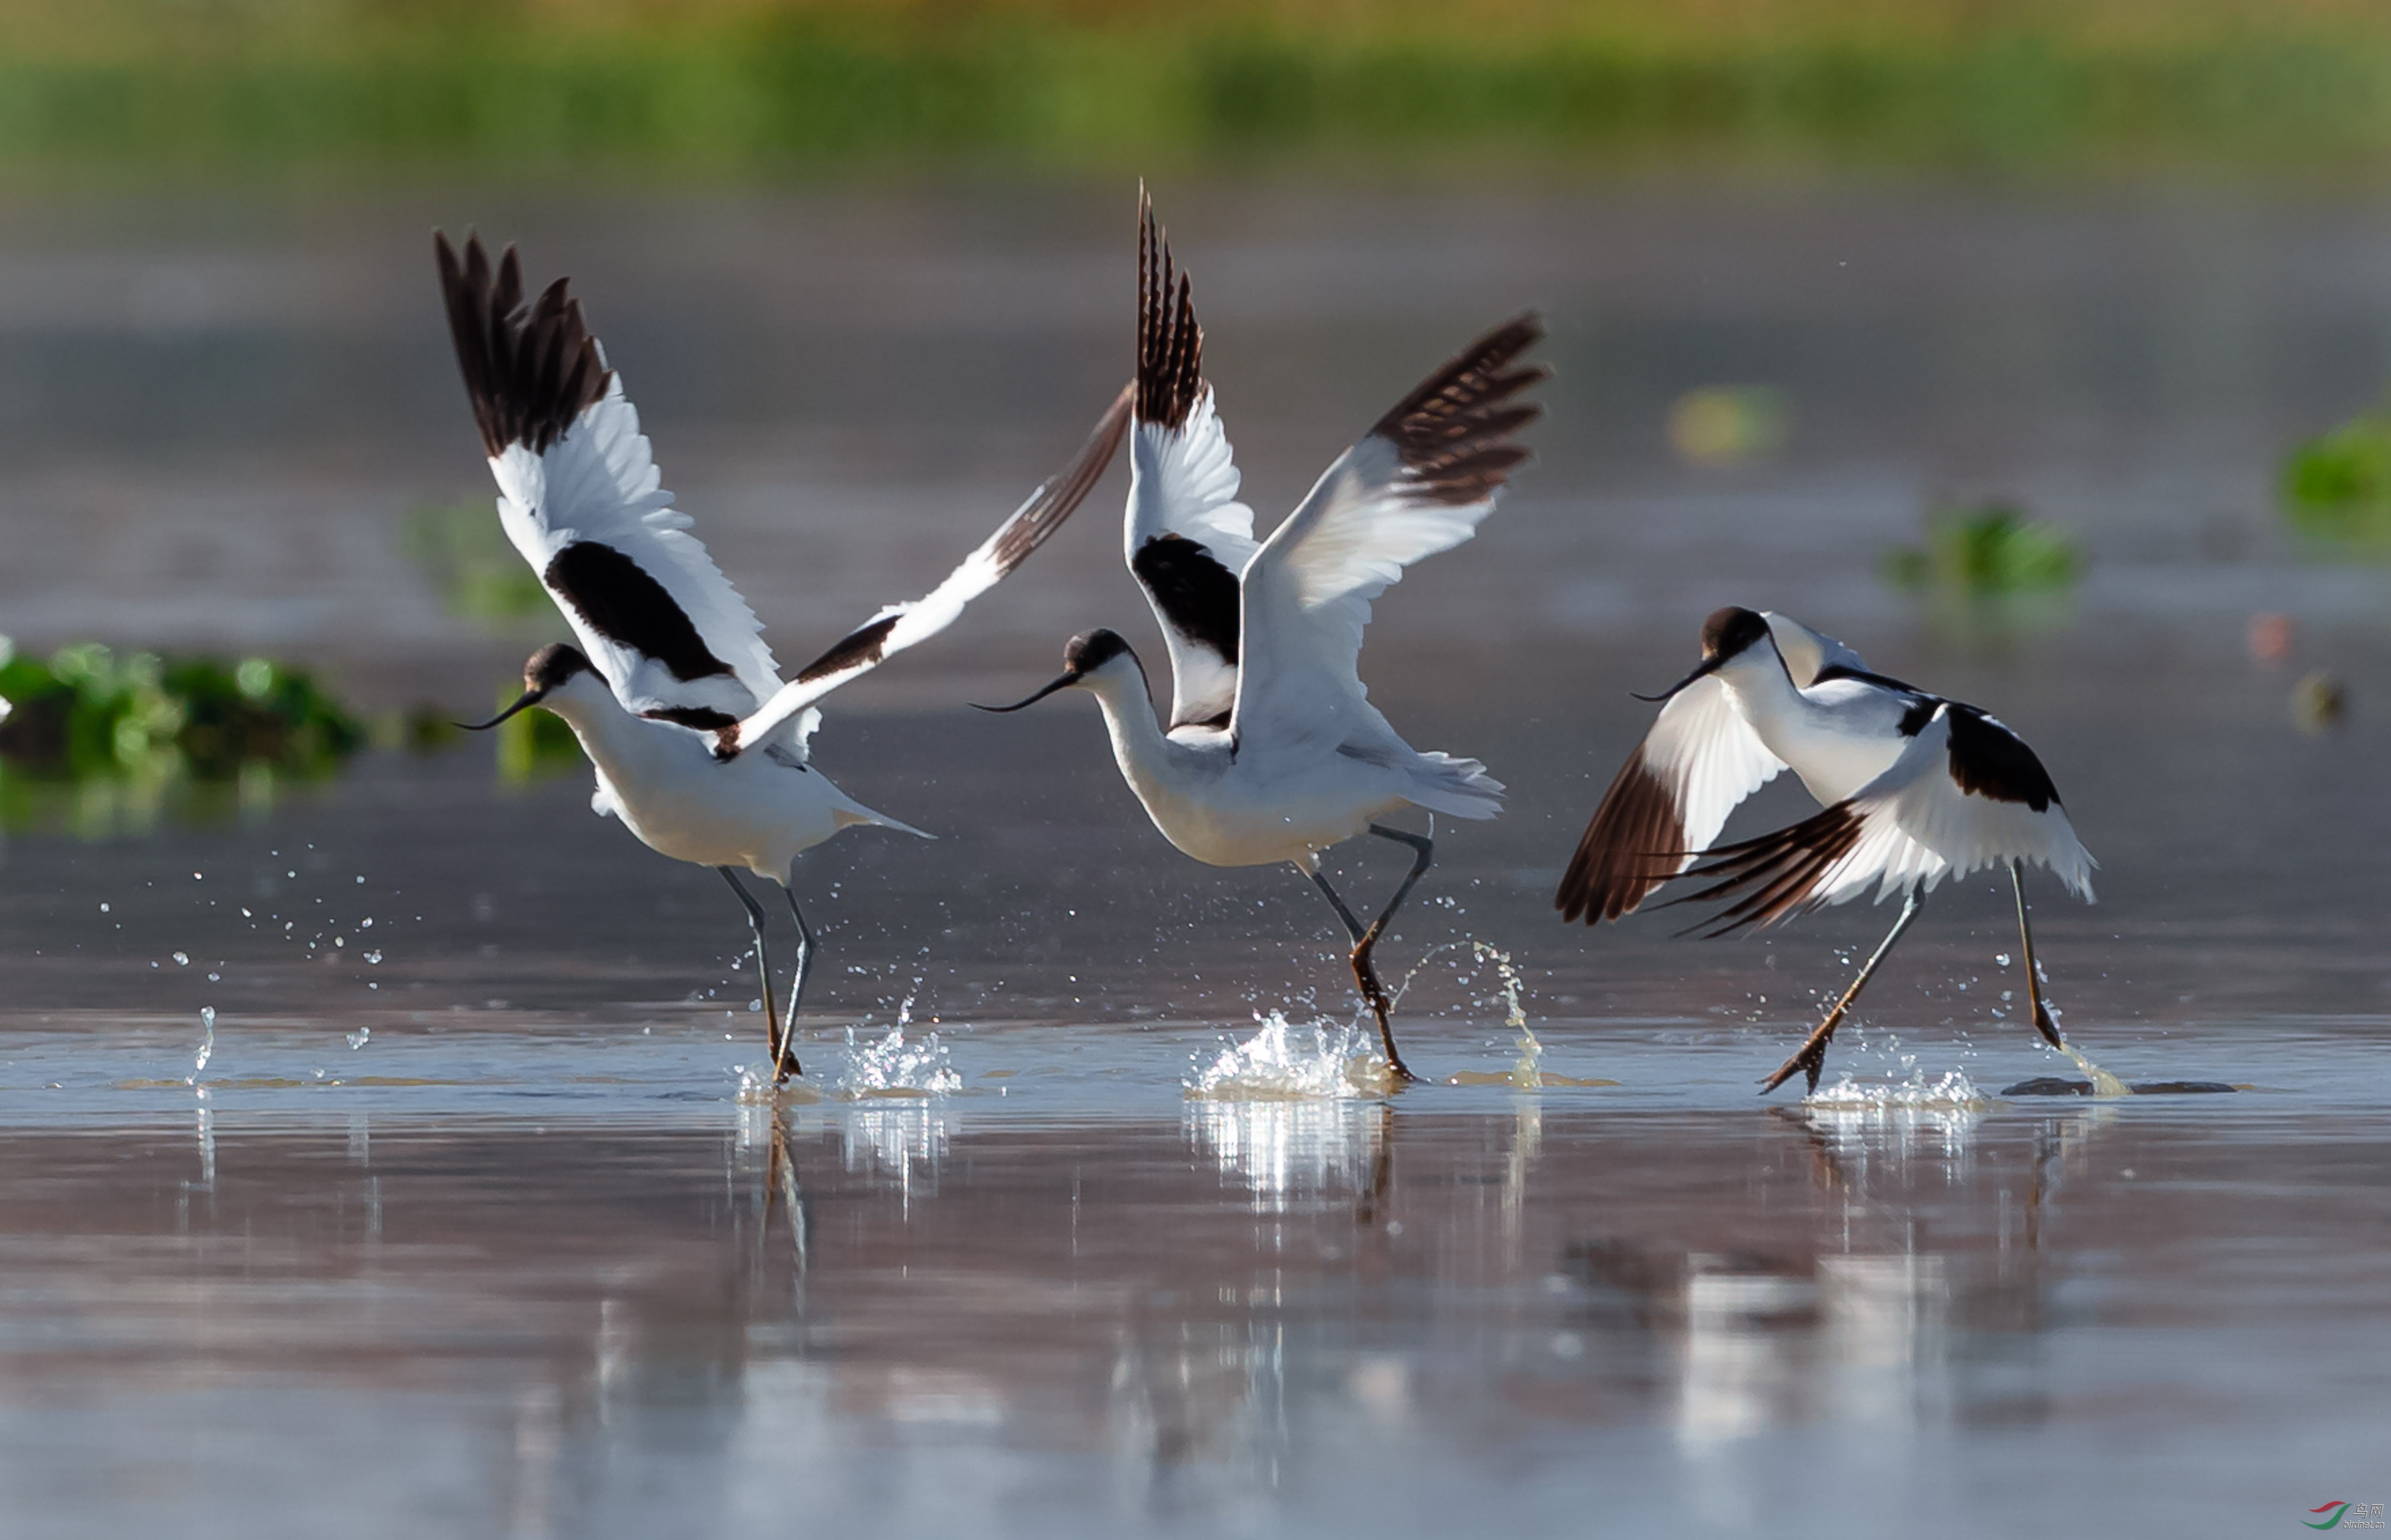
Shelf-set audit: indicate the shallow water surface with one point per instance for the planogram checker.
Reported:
(460, 1211)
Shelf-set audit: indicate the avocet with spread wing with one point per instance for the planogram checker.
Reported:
(700, 748)
(1915, 786)
(1272, 751)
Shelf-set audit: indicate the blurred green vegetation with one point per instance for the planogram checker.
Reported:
(535, 745)
(745, 88)
(2336, 487)
(1986, 571)
(464, 554)
(101, 743)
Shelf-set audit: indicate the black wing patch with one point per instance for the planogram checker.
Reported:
(530, 370)
(1200, 598)
(1989, 760)
(704, 718)
(1455, 431)
(1170, 343)
(619, 601)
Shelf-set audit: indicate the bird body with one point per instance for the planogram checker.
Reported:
(1271, 751)
(757, 812)
(1915, 787)
(1227, 804)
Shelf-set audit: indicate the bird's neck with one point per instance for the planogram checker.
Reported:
(615, 741)
(1152, 764)
(1764, 692)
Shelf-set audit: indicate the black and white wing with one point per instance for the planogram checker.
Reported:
(899, 627)
(579, 496)
(1187, 537)
(1671, 798)
(1666, 804)
(1965, 794)
(1420, 482)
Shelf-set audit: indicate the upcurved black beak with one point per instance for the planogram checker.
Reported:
(529, 697)
(1067, 680)
(1708, 666)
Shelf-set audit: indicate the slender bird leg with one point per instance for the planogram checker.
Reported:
(2042, 1022)
(1423, 851)
(1372, 990)
(1811, 1057)
(788, 1066)
(763, 964)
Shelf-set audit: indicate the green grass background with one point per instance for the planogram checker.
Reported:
(742, 89)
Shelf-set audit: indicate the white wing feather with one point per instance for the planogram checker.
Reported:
(1307, 600)
(1708, 757)
(1917, 825)
(1183, 482)
(598, 482)
(1807, 653)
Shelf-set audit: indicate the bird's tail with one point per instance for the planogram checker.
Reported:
(853, 813)
(1445, 784)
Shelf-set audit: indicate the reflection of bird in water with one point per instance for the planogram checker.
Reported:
(1917, 788)
(1273, 752)
(700, 748)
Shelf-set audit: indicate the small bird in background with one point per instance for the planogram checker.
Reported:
(1915, 788)
(1273, 752)
(699, 747)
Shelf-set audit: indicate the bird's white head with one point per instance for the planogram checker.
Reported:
(1100, 660)
(1728, 636)
(557, 673)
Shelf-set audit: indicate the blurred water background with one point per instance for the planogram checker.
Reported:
(1977, 335)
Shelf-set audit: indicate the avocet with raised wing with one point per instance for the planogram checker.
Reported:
(699, 747)
(1915, 788)
(1272, 753)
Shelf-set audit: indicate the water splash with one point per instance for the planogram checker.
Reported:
(1284, 1063)
(207, 1044)
(359, 1038)
(1526, 1072)
(896, 1067)
(1950, 1092)
(2106, 1086)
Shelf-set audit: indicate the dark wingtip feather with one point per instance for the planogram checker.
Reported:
(1062, 495)
(1633, 843)
(1170, 343)
(1455, 431)
(529, 370)
(1776, 874)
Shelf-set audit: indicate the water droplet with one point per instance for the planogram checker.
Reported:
(182, 959)
(2002, 958)
(359, 1038)
(103, 909)
(374, 956)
